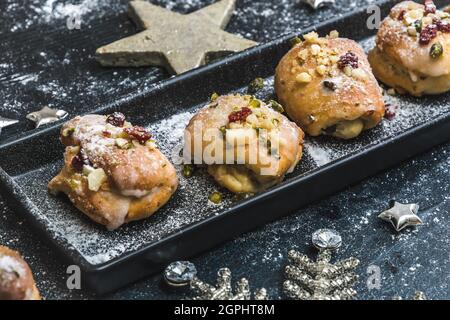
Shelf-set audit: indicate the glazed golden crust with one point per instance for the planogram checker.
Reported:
(401, 61)
(352, 100)
(139, 179)
(250, 175)
(16, 279)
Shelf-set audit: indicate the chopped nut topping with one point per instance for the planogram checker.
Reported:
(214, 96)
(321, 70)
(436, 50)
(303, 54)
(334, 34)
(311, 37)
(391, 92)
(303, 77)
(359, 74)
(256, 85)
(412, 31)
(315, 49)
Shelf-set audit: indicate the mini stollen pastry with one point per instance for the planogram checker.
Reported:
(113, 171)
(412, 49)
(16, 279)
(255, 145)
(327, 87)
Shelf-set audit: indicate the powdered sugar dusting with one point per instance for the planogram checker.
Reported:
(10, 265)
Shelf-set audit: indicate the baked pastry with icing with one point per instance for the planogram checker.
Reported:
(16, 279)
(113, 171)
(251, 146)
(412, 51)
(327, 87)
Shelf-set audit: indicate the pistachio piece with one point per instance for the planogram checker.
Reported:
(188, 170)
(436, 50)
(215, 197)
(214, 96)
(122, 143)
(256, 85)
(295, 41)
(276, 106)
(95, 179)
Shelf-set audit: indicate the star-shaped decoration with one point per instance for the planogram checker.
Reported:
(402, 215)
(175, 41)
(316, 4)
(5, 122)
(46, 115)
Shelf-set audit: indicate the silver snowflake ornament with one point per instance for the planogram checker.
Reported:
(402, 215)
(223, 289)
(46, 115)
(316, 4)
(321, 279)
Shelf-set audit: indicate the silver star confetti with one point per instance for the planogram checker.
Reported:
(402, 215)
(316, 4)
(321, 280)
(223, 289)
(46, 115)
(418, 295)
(180, 273)
(5, 122)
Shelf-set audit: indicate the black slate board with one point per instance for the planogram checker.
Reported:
(430, 119)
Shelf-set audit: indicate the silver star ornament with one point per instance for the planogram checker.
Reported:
(46, 115)
(5, 122)
(402, 215)
(316, 4)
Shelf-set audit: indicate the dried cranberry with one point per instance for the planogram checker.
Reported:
(348, 59)
(116, 119)
(139, 133)
(80, 160)
(390, 111)
(240, 115)
(401, 15)
(428, 33)
(429, 7)
(443, 27)
(106, 133)
(330, 85)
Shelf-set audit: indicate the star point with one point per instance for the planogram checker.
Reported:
(402, 215)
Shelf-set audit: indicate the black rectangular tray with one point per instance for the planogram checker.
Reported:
(188, 224)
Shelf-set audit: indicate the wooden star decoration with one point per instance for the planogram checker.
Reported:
(175, 41)
(402, 215)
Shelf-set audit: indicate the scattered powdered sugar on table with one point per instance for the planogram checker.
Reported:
(321, 155)
(50, 11)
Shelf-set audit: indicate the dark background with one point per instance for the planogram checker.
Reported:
(44, 63)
